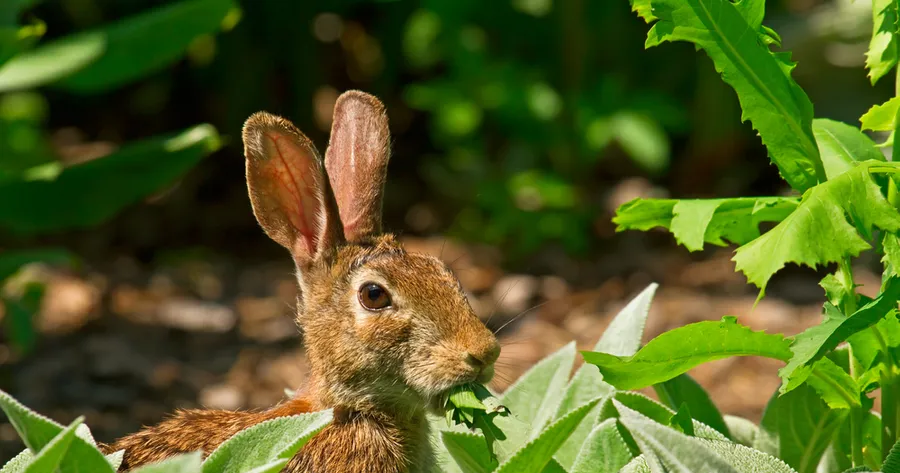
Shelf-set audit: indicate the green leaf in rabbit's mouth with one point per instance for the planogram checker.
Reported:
(473, 405)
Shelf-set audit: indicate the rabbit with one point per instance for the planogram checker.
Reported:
(387, 332)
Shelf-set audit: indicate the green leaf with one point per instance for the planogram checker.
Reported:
(12, 261)
(186, 463)
(537, 394)
(834, 385)
(119, 53)
(681, 420)
(682, 389)
(892, 462)
(604, 450)
(743, 431)
(536, 454)
(778, 108)
(37, 431)
(882, 54)
(469, 451)
(745, 459)
(668, 449)
(263, 443)
(89, 193)
(695, 221)
(867, 344)
(655, 411)
(813, 343)
(797, 427)
(823, 212)
(676, 351)
(643, 9)
(891, 259)
(52, 454)
(19, 463)
(622, 337)
(881, 117)
(842, 146)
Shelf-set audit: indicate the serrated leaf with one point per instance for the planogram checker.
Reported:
(119, 53)
(469, 451)
(842, 146)
(797, 428)
(622, 337)
(834, 385)
(50, 456)
(891, 259)
(678, 350)
(115, 459)
(695, 221)
(18, 462)
(654, 411)
(745, 459)
(813, 343)
(777, 107)
(882, 54)
(892, 462)
(265, 442)
(867, 343)
(89, 193)
(743, 431)
(536, 454)
(823, 212)
(537, 394)
(670, 450)
(37, 431)
(682, 389)
(604, 451)
(637, 465)
(881, 117)
(185, 463)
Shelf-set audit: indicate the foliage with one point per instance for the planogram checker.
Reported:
(40, 192)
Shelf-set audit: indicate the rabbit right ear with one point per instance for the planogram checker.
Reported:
(288, 189)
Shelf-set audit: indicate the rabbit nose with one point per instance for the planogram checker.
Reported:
(484, 357)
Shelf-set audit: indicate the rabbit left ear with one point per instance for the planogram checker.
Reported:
(356, 162)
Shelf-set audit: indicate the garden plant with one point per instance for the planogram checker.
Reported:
(820, 420)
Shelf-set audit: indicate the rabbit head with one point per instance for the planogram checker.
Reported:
(384, 328)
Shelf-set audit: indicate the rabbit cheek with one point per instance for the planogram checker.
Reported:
(382, 332)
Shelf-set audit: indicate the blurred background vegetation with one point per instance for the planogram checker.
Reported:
(518, 125)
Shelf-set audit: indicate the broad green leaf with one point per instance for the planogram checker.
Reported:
(743, 431)
(89, 193)
(837, 457)
(823, 212)
(867, 343)
(797, 427)
(536, 454)
(52, 454)
(670, 450)
(745, 459)
(683, 389)
(271, 467)
(813, 343)
(622, 337)
(186, 463)
(469, 451)
(119, 53)
(882, 54)
(834, 385)
(678, 350)
(681, 420)
(604, 450)
(536, 395)
(637, 465)
(37, 431)
(777, 107)
(695, 221)
(12, 261)
(842, 146)
(881, 117)
(263, 443)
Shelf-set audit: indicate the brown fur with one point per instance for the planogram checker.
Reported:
(379, 370)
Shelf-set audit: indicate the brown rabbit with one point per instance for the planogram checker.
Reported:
(387, 332)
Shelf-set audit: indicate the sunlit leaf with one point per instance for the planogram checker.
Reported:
(842, 146)
(682, 389)
(882, 54)
(604, 450)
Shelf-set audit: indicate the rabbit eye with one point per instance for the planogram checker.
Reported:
(373, 296)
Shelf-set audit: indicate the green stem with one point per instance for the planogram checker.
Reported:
(856, 436)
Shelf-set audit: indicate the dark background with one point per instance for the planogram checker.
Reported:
(518, 127)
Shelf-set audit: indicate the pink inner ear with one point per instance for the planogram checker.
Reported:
(294, 187)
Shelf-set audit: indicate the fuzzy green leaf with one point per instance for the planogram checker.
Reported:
(823, 212)
(19, 463)
(777, 107)
(88, 193)
(536, 395)
(186, 463)
(797, 428)
(881, 117)
(745, 459)
(813, 343)
(676, 351)
(49, 458)
(536, 454)
(892, 462)
(682, 389)
(604, 450)
(743, 431)
(469, 451)
(842, 146)
(714, 221)
(882, 54)
(266, 442)
(655, 411)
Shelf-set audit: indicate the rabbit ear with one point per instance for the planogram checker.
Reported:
(290, 195)
(356, 160)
